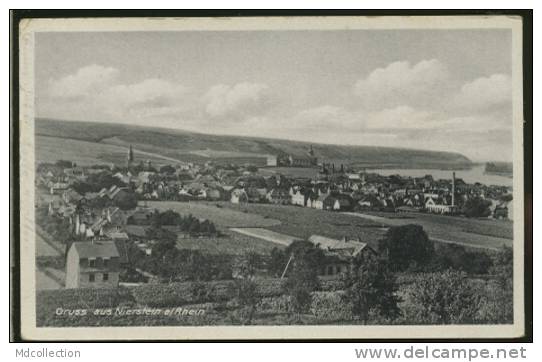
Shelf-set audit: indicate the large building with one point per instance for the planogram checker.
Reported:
(93, 264)
(291, 160)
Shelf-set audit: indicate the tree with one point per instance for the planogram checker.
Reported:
(96, 182)
(252, 168)
(167, 169)
(457, 257)
(277, 262)
(477, 207)
(303, 274)
(497, 305)
(166, 240)
(406, 246)
(168, 217)
(65, 164)
(244, 292)
(371, 289)
(301, 282)
(250, 263)
(306, 251)
(441, 298)
(126, 200)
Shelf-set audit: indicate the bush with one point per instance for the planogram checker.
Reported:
(477, 207)
(406, 246)
(457, 257)
(330, 306)
(176, 294)
(277, 304)
(441, 298)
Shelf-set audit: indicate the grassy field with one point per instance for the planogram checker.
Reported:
(268, 235)
(481, 226)
(303, 222)
(52, 149)
(293, 221)
(477, 232)
(230, 242)
(223, 217)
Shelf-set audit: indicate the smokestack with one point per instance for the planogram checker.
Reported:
(453, 188)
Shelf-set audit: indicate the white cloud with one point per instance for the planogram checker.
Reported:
(326, 116)
(148, 99)
(485, 93)
(241, 99)
(402, 83)
(153, 93)
(97, 88)
(84, 82)
(332, 117)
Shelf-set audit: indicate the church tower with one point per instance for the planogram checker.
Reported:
(130, 156)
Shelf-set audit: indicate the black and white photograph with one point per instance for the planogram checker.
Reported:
(272, 178)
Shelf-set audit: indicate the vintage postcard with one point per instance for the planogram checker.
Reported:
(271, 178)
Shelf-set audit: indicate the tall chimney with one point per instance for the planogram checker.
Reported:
(453, 188)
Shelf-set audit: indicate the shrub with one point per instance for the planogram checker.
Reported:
(330, 306)
(441, 298)
(406, 246)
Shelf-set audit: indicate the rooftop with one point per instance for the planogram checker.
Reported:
(96, 249)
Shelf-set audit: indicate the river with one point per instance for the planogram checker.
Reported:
(475, 174)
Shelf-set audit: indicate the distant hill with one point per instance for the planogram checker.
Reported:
(107, 142)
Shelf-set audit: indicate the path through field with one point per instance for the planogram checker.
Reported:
(266, 235)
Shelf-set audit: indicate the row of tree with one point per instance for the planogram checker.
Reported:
(185, 223)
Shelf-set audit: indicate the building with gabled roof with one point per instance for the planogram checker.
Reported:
(339, 254)
(93, 264)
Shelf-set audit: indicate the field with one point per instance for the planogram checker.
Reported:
(265, 234)
(297, 222)
(488, 233)
(230, 242)
(52, 149)
(222, 217)
(302, 222)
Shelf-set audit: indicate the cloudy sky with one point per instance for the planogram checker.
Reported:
(444, 90)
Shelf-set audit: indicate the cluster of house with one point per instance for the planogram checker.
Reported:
(343, 191)
(100, 229)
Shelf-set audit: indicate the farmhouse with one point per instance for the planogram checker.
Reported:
(340, 253)
(93, 265)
